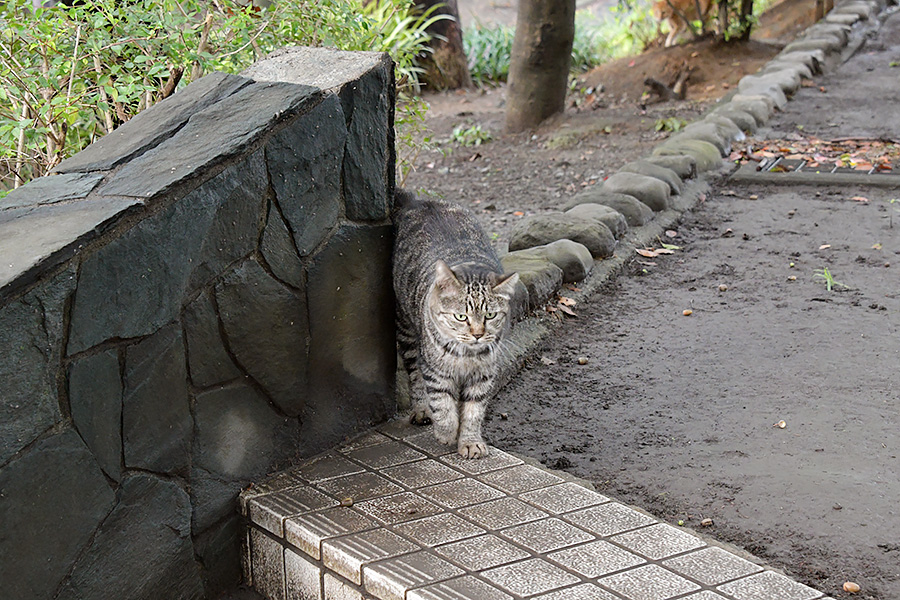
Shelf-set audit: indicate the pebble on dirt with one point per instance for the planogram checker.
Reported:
(851, 587)
(582, 360)
(687, 312)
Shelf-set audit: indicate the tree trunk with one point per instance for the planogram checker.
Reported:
(539, 65)
(746, 19)
(446, 68)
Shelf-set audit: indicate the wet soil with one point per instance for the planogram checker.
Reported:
(679, 414)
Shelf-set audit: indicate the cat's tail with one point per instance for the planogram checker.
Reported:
(404, 198)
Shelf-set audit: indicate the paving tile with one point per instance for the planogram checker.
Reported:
(390, 579)
(359, 487)
(585, 591)
(522, 478)
(384, 455)
(658, 541)
(335, 589)
(424, 441)
(308, 531)
(505, 512)
(421, 473)
(768, 585)
(270, 511)
(563, 498)
(596, 559)
(529, 577)
(327, 466)
(461, 588)
(704, 595)
(278, 482)
(438, 529)
(459, 493)
(547, 535)
(370, 438)
(302, 578)
(346, 555)
(650, 582)
(712, 566)
(401, 429)
(398, 508)
(609, 519)
(267, 562)
(482, 552)
(497, 459)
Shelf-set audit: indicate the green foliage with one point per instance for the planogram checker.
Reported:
(825, 275)
(672, 124)
(472, 135)
(69, 75)
(489, 47)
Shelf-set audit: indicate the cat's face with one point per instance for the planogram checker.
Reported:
(474, 313)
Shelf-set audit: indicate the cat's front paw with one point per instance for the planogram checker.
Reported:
(419, 417)
(472, 449)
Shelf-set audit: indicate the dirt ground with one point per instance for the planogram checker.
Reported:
(679, 414)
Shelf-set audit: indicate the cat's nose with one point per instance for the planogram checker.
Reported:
(478, 334)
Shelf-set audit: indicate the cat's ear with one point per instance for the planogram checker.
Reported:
(506, 287)
(444, 278)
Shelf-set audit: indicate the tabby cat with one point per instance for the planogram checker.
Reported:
(453, 306)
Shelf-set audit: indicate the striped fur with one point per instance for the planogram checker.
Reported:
(452, 313)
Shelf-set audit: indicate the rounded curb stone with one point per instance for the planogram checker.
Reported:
(572, 258)
(706, 132)
(539, 230)
(683, 165)
(725, 126)
(613, 219)
(811, 58)
(706, 155)
(743, 119)
(540, 277)
(652, 192)
(763, 88)
(664, 174)
(635, 212)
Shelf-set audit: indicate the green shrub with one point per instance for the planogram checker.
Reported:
(69, 75)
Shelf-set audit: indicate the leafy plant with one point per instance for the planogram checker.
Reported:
(472, 135)
(69, 75)
(671, 124)
(828, 278)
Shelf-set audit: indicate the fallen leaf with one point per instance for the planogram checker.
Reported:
(547, 361)
(707, 522)
(567, 310)
(647, 252)
(780, 424)
(671, 234)
(876, 246)
(567, 301)
(672, 247)
(728, 232)
(518, 213)
(860, 199)
(824, 246)
(475, 157)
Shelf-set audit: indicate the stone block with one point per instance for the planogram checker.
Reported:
(31, 338)
(787, 81)
(573, 258)
(814, 59)
(305, 162)
(213, 497)
(156, 416)
(266, 327)
(51, 189)
(644, 167)
(743, 119)
(279, 251)
(684, 165)
(157, 263)
(238, 437)
(95, 399)
(800, 69)
(613, 219)
(142, 550)
(33, 240)
(352, 353)
(540, 277)
(369, 158)
(153, 125)
(707, 132)
(54, 498)
(219, 553)
(211, 136)
(635, 212)
(726, 127)
(538, 230)
(208, 361)
(652, 192)
(706, 155)
(825, 45)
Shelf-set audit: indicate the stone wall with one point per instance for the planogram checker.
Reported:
(194, 301)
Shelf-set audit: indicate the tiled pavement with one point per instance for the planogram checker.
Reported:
(396, 516)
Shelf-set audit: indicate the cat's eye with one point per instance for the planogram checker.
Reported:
(461, 317)
(490, 315)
